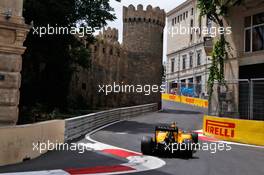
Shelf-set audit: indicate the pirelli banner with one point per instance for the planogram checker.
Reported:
(235, 130)
(186, 100)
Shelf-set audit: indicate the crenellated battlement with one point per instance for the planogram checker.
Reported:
(109, 34)
(150, 15)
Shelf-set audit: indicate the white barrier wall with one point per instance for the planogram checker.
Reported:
(16, 142)
(79, 126)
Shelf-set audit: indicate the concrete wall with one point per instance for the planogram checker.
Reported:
(17, 142)
(15, 5)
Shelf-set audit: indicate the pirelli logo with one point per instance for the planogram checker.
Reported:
(189, 100)
(172, 97)
(225, 129)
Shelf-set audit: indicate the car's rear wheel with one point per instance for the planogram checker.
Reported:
(195, 137)
(147, 145)
(188, 152)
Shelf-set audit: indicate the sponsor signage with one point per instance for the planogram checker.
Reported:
(190, 100)
(234, 130)
(172, 97)
(224, 129)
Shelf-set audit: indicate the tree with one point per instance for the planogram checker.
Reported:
(216, 11)
(47, 61)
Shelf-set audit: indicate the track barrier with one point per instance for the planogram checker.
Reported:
(186, 100)
(17, 141)
(234, 130)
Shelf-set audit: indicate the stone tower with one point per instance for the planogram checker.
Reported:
(13, 32)
(143, 41)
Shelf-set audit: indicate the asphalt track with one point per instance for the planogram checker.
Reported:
(241, 160)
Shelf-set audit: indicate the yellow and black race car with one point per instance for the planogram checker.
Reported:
(170, 139)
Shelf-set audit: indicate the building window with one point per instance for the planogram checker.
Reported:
(192, 11)
(200, 28)
(191, 60)
(184, 62)
(209, 25)
(172, 65)
(183, 83)
(198, 87)
(247, 40)
(83, 86)
(254, 33)
(190, 83)
(178, 19)
(199, 61)
(186, 14)
(191, 35)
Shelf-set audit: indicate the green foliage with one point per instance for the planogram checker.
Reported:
(81, 55)
(216, 10)
(217, 68)
(47, 61)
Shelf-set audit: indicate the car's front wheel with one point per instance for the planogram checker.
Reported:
(147, 145)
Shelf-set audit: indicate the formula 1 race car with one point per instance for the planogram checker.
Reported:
(170, 139)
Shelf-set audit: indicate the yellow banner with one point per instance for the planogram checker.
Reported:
(186, 100)
(235, 130)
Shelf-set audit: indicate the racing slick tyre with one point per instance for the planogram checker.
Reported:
(147, 145)
(187, 148)
(195, 137)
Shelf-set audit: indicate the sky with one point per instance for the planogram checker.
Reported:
(167, 5)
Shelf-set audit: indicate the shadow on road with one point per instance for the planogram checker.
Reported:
(173, 111)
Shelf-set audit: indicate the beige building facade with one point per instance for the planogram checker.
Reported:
(245, 67)
(187, 61)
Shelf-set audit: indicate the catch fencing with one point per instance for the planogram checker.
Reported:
(242, 99)
(195, 90)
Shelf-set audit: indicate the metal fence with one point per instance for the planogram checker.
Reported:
(242, 99)
(196, 90)
(257, 99)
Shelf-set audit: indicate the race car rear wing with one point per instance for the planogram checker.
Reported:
(166, 128)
